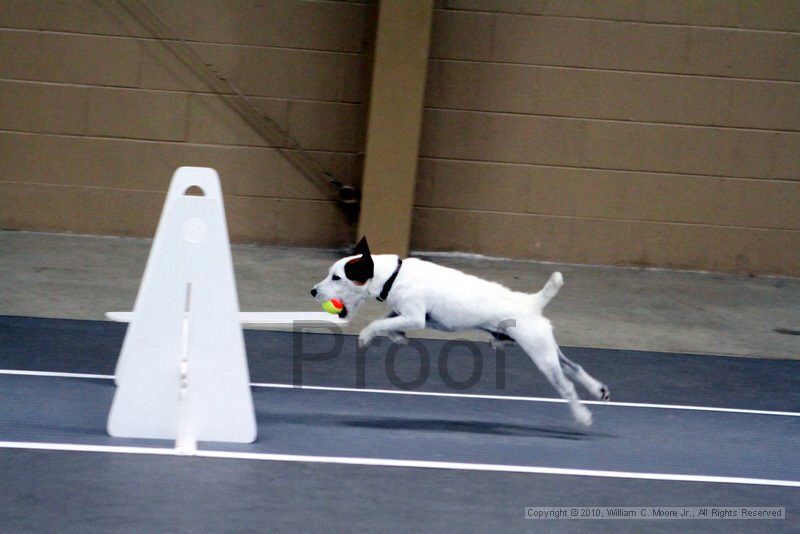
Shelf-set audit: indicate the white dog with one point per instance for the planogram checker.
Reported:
(425, 295)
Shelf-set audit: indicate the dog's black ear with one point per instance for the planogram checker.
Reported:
(361, 269)
(362, 247)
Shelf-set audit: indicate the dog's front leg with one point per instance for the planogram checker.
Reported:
(391, 325)
(398, 338)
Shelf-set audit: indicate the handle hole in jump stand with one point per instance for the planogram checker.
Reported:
(194, 191)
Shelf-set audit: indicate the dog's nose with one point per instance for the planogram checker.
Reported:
(313, 292)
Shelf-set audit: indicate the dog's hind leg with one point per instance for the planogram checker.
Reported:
(576, 373)
(535, 336)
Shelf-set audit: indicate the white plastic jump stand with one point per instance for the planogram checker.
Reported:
(182, 373)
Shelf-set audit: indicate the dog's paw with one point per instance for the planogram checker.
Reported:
(398, 338)
(364, 339)
(582, 415)
(599, 391)
(557, 279)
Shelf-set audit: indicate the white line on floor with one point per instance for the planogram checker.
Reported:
(388, 462)
(54, 374)
(440, 394)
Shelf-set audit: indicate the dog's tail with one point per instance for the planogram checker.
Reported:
(549, 291)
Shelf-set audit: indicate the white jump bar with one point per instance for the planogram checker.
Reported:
(258, 318)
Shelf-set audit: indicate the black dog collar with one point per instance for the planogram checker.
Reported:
(388, 285)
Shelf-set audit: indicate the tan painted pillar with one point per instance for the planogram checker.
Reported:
(395, 119)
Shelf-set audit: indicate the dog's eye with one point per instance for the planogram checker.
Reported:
(335, 278)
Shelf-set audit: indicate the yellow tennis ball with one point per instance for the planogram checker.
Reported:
(333, 306)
